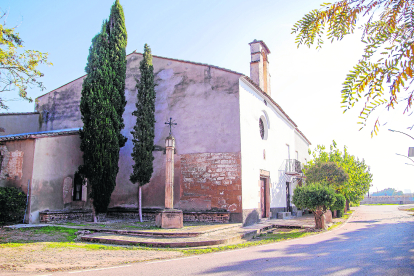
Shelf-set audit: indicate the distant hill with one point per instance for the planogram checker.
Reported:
(387, 192)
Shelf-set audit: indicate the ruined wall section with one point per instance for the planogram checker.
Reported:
(17, 164)
(59, 109)
(210, 181)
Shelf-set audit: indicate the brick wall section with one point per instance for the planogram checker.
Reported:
(12, 164)
(210, 181)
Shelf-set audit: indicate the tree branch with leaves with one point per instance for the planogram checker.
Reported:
(18, 69)
(384, 74)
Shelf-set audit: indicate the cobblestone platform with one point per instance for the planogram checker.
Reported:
(203, 235)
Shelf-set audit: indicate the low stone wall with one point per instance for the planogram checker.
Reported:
(62, 216)
(147, 215)
(401, 199)
(215, 217)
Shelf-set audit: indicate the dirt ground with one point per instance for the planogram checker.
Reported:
(32, 252)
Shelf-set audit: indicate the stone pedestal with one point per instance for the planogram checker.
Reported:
(170, 219)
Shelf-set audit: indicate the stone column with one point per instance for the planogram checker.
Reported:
(169, 172)
(169, 217)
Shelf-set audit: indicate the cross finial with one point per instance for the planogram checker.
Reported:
(170, 123)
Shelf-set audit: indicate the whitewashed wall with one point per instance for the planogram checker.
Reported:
(280, 133)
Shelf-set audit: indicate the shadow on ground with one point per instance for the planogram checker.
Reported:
(379, 249)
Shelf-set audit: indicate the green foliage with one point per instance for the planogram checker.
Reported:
(143, 134)
(387, 192)
(339, 202)
(359, 176)
(388, 59)
(102, 104)
(314, 197)
(12, 205)
(117, 59)
(326, 172)
(18, 71)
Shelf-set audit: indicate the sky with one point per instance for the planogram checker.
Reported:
(305, 82)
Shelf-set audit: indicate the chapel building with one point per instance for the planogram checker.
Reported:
(237, 151)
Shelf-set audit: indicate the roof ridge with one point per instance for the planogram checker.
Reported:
(135, 52)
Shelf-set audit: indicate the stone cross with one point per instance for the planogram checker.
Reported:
(170, 123)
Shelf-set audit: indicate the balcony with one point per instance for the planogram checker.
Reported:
(293, 167)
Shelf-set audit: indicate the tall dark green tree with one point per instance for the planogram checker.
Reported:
(99, 139)
(102, 105)
(143, 133)
(117, 57)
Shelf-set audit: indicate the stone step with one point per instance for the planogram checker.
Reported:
(283, 215)
(205, 240)
(163, 233)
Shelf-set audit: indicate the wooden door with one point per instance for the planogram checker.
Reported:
(263, 196)
(288, 209)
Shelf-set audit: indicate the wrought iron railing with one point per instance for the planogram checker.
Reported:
(293, 166)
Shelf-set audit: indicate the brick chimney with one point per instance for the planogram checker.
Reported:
(259, 65)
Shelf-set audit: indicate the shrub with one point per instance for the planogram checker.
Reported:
(339, 203)
(314, 197)
(317, 198)
(12, 205)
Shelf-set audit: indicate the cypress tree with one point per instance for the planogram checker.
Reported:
(99, 139)
(143, 133)
(117, 57)
(102, 105)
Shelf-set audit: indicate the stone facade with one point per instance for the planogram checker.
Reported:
(210, 181)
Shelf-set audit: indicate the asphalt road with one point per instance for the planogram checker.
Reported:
(377, 240)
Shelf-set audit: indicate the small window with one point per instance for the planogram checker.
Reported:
(262, 129)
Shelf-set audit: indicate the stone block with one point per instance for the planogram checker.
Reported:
(170, 219)
(283, 215)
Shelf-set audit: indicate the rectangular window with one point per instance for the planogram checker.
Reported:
(288, 152)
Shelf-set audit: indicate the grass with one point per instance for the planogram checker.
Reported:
(89, 246)
(18, 237)
(345, 217)
(74, 245)
(410, 210)
(67, 233)
(74, 224)
(262, 239)
(8, 245)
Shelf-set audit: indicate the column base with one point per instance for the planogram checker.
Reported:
(170, 219)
